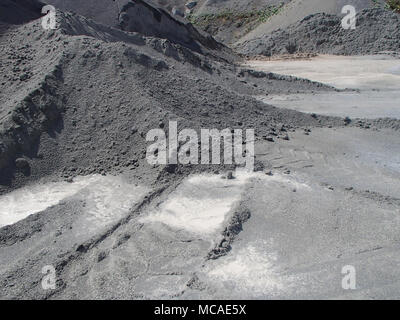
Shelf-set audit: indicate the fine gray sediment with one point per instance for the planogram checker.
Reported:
(76, 104)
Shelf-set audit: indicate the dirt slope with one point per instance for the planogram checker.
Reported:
(140, 16)
(80, 100)
(296, 10)
(226, 20)
(71, 85)
(376, 31)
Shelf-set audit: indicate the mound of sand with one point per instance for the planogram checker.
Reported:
(139, 16)
(297, 10)
(215, 6)
(376, 31)
(80, 99)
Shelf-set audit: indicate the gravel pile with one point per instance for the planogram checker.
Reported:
(80, 99)
(139, 16)
(377, 30)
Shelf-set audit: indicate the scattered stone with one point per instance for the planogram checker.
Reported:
(285, 137)
(22, 164)
(323, 33)
(269, 138)
(102, 255)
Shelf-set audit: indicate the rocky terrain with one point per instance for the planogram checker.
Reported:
(227, 21)
(40, 81)
(376, 31)
(77, 192)
(297, 10)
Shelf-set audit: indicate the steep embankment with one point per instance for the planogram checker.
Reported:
(143, 17)
(227, 21)
(296, 10)
(81, 99)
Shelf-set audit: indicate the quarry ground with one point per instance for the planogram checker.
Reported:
(326, 198)
(330, 200)
(374, 80)
(324, 195)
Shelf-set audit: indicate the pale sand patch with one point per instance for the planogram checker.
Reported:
(201, 203)
(106, 197)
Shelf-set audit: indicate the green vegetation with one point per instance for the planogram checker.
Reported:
(394, 5)
(258, 16)
(264, 15)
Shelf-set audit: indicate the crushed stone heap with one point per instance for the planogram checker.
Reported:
(377, 30)
(139, 16)
(80, 99)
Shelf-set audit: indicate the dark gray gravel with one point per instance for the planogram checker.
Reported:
(377, 30)
(90, 94)
(79, 100)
